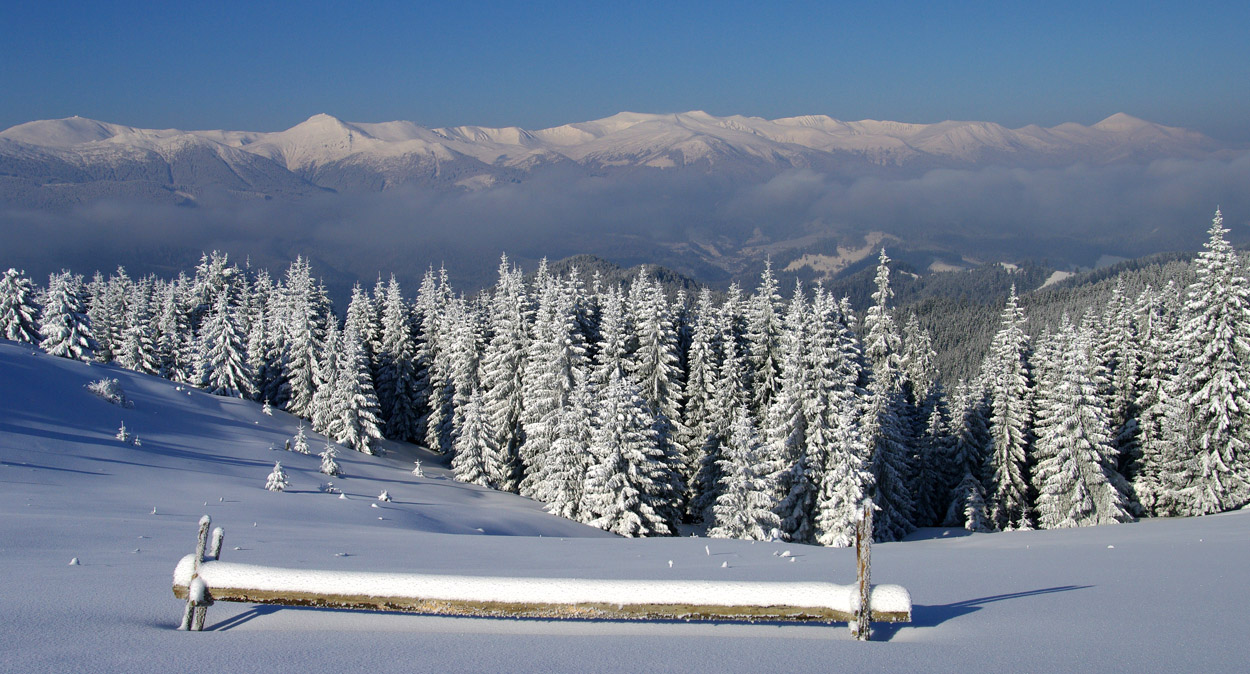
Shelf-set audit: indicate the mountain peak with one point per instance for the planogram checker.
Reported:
(1121, 122)
(321, 120)
(61, 132)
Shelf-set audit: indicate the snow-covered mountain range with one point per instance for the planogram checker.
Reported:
(66, 161)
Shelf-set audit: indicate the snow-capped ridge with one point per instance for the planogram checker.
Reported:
(335, 154)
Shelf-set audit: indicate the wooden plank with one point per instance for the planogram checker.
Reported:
(538, 610)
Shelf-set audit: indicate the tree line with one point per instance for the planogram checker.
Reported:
(754, 416)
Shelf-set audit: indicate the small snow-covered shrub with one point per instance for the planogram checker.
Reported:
(266, 409)
(109, 389)
(329, 488)
(277, 479)
(417, 470)
(384, 496)
(301, 441)
(328, 465)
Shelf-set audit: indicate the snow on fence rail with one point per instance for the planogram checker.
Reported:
(203, 582)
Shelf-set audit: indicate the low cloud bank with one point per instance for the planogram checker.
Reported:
(1075, 212)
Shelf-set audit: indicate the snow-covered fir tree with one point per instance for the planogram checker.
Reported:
(613, 349)
(882, 342)
(934, 467)
(18, 311)
(277, 480)
(1075, 477)
(784, 428)
(328, 465)
(652, 364)
(729, 391)
(1008, 378)
(555, 359)
(968, 459)
(221, 363)
(401, 397)
(886, 424)
(174, 347)
(65, 328)
(262, 353)
(1212, 379)
(301, 334)
(463, 350)
(502, 369)
(322, 412)
(106, 308)
(743, 507)
(431, 362)
(628, 487)
(764, 327)
(699, 384)
(562, 475)
(300, 444)
(473, 443)
(353, 404)
(137, 350)
(812, 383)
(1164, 470)
(1116, 351)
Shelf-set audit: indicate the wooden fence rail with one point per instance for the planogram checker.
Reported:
(202, 582)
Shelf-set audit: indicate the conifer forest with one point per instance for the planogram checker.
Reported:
(762, 413)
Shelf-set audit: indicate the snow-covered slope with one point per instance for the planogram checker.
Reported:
(333, 154)
(1164, 595)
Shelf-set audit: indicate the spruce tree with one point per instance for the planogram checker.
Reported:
(744, 502)
(628, 487)
(699, 385)
(561, 477)
(503, 366)
(729, 391)
(401, 397)
(221, 364)
(107, 309)
(784, 429)
(65, 328)
(18, 312)
(1007, 374)
(277, 480)
(302, 333)
(968, 459)
(1215, 351)
(1165, 467)
(1076, 478)
(764, 341)
(349, 410)
(473, 444)
(138, 349)
(328, 465)
(173, 340)
(431, 362)
(322, 412)
(555, 359)
(886, 424)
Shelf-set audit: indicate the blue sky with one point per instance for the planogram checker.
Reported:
(267, 66)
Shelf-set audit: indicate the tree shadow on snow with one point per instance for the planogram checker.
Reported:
(933, 615)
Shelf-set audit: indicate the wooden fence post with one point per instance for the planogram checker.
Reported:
(863, 552)
(193, 616)
(218, 537)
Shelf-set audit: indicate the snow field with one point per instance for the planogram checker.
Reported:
(1168, 596)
